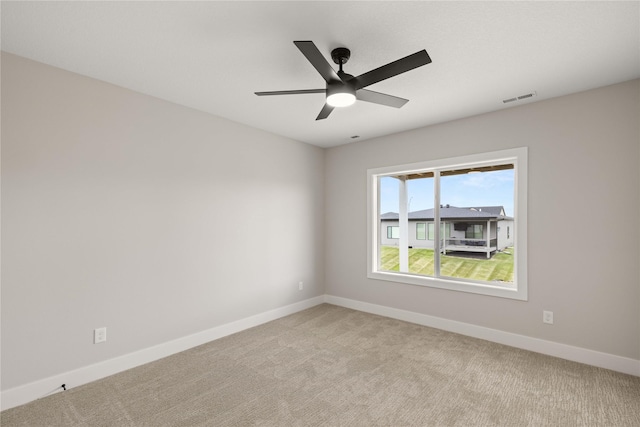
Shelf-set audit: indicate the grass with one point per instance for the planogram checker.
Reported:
(498, 268)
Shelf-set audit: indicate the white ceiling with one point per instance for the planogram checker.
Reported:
(212, 56)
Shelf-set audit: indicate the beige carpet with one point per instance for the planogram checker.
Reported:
(331, 366)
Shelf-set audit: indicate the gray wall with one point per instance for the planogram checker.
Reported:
(154, 220)
(583, 218)
(125, 211)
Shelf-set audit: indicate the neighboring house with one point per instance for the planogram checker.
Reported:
(484, 229)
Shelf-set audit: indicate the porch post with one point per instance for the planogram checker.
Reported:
(403, 223)
(444, 238)
(488, 239)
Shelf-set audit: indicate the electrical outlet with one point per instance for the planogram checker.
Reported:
(300, 286)
(547, 317)
(99, 335)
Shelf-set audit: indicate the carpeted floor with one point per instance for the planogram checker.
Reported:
(331, 366)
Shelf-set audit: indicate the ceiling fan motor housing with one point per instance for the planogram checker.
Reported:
(340, 55)
(341, 93)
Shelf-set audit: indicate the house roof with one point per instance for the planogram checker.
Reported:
(448, 212)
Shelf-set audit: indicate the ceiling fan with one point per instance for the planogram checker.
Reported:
(343, 89)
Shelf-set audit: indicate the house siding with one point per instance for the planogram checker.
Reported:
(501, 234)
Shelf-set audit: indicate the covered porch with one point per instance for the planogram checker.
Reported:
(470, 245)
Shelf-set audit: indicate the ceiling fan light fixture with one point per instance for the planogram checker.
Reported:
(341, 95)
(341, 99)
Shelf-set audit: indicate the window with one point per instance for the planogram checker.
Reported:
(474, 231)
(469, 215)
(443, 228)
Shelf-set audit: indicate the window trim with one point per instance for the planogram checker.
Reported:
(517, 156)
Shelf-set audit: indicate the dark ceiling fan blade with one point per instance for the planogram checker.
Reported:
(311, 52)
(380, 98)
(324, 113)
(394, 68)
(291, 92)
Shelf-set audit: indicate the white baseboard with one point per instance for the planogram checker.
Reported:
(37, 389)
(26, 393)
(563, 351)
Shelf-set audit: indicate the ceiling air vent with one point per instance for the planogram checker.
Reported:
(519, 98)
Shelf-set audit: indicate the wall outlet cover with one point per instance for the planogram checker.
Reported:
(99, 335)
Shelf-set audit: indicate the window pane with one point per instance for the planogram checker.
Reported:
(474, 231)
(420, 208)
(388, 213)
(479, 210)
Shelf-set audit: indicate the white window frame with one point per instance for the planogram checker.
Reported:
(516, 156)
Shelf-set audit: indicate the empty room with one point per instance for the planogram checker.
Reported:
(327, 213)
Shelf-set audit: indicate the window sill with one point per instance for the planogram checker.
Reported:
(502, 290)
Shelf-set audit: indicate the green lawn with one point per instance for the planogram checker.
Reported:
(498, 267)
